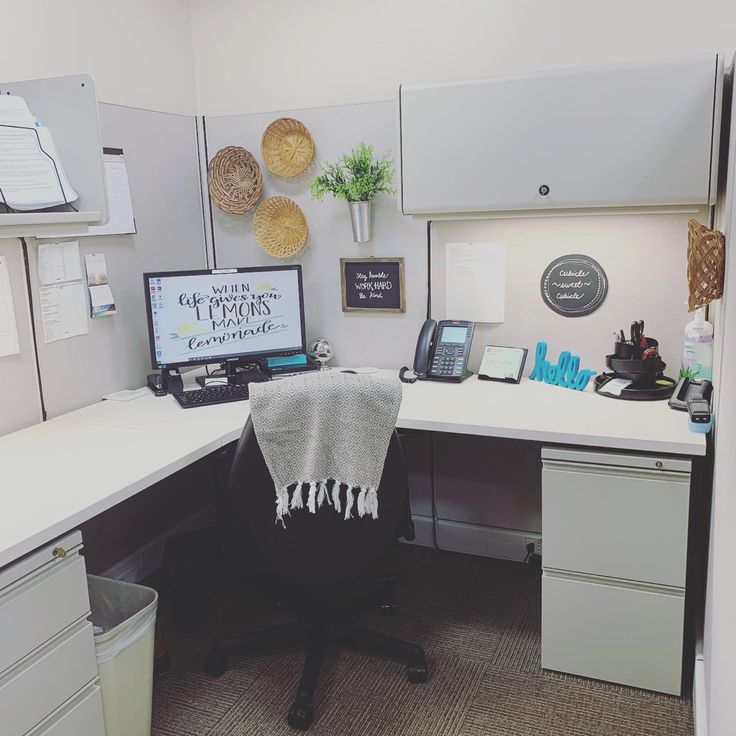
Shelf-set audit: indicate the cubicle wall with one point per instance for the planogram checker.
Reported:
(644, 257)
(384, 340)
(20, 403)
(163, 171)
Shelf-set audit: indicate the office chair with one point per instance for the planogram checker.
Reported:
(327, 570)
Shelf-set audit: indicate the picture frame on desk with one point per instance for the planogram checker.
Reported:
(502, 364)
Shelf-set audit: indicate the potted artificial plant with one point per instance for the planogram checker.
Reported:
(358, 178)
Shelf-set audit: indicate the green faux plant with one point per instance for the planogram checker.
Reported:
(356, 177)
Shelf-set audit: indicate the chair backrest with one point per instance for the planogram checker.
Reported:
(313, 548)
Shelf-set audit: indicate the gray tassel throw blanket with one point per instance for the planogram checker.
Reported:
(322, 427)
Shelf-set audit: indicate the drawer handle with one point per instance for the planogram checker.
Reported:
(59, 552)
(659, 465)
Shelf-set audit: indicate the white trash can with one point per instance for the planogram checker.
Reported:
(124, 620)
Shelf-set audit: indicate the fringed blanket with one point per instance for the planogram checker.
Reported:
(322, 427)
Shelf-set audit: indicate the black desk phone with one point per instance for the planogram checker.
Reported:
(442, 351)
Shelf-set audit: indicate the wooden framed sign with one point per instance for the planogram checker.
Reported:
(372, 284)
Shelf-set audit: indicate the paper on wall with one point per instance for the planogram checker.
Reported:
(58, 262)
(101, 299)
(8, 328)
(63, 303)
(63, 310)
(475, 281)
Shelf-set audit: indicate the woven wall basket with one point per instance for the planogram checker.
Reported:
(287, 147)
(234, 180)
(705, 264)
(280, 227)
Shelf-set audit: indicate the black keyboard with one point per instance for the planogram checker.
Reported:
(211, 395)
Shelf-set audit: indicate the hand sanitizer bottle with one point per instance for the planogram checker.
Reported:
(697, 347)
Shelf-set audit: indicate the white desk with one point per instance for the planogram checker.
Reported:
(63, 472)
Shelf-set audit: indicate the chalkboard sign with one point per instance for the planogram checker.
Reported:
(375, 284)
(574, 285)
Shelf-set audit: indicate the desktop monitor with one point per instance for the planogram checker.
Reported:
(197, 317)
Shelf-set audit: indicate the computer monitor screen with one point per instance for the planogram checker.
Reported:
(210, 316)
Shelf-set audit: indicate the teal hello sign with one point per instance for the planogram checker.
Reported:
(566, 372)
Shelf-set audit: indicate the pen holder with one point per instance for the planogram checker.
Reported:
(625, 351)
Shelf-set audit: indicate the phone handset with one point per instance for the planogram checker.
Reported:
(422, 354)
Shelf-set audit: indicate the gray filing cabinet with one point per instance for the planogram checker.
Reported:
(615, 556)
(48, 670)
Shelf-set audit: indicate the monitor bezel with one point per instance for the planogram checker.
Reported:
(244, 357)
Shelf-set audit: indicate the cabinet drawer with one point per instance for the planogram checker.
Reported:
(36, 609)
(33, 690)
(614, 633)
(621, 522)
(81, 716)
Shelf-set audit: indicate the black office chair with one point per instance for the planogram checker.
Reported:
(328, 570)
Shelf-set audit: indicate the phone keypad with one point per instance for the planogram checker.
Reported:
(448, 361)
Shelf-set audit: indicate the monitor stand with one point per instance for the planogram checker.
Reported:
(253, 372)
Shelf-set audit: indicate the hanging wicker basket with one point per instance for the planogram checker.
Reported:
(287, 147)
(234, 180)
(280, 227)
(705, 264)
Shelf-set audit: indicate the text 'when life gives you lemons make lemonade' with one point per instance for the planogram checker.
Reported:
(230, 313)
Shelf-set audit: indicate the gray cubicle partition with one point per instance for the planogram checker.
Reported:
(20, 404)
(161, 156)
(384, 340)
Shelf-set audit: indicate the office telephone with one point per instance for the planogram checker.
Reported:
(442, 351)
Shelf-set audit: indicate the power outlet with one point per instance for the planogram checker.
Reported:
(537, 542)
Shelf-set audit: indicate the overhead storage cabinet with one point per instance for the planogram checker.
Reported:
(627, 135)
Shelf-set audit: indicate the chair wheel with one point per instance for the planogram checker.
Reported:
(300, 716)
(215, 664)
(416, 671)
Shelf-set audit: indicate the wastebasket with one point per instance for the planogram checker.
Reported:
(124, 618)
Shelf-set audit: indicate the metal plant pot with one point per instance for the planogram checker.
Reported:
(361, 216)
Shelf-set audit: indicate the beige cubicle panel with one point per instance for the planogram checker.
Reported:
(383, 340)
(160, 152)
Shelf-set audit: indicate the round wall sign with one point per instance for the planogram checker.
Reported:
(574, 285)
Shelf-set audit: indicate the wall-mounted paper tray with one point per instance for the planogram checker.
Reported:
(67, 106)
(43, 224)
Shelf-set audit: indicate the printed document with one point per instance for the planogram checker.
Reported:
(475, 281)
(31, 174)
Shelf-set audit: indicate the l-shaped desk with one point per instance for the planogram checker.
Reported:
(61, 473)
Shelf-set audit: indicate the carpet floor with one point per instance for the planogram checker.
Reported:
(479, 621)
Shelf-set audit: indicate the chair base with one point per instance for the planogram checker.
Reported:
(316, 639)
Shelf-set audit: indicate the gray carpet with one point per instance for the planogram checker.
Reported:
(478, 620)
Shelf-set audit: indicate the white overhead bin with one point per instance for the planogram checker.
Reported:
(636, 135)
(67, 106)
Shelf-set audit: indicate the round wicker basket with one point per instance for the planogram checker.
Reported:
(234, 180)
(280, 227)
(287, 147)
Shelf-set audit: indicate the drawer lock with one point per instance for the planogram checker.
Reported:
(59, 552)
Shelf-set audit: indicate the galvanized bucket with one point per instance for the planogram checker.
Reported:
(361, 216)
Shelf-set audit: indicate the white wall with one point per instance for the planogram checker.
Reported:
(264, 55)
(138, 51)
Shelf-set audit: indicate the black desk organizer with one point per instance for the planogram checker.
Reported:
(647, 375)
